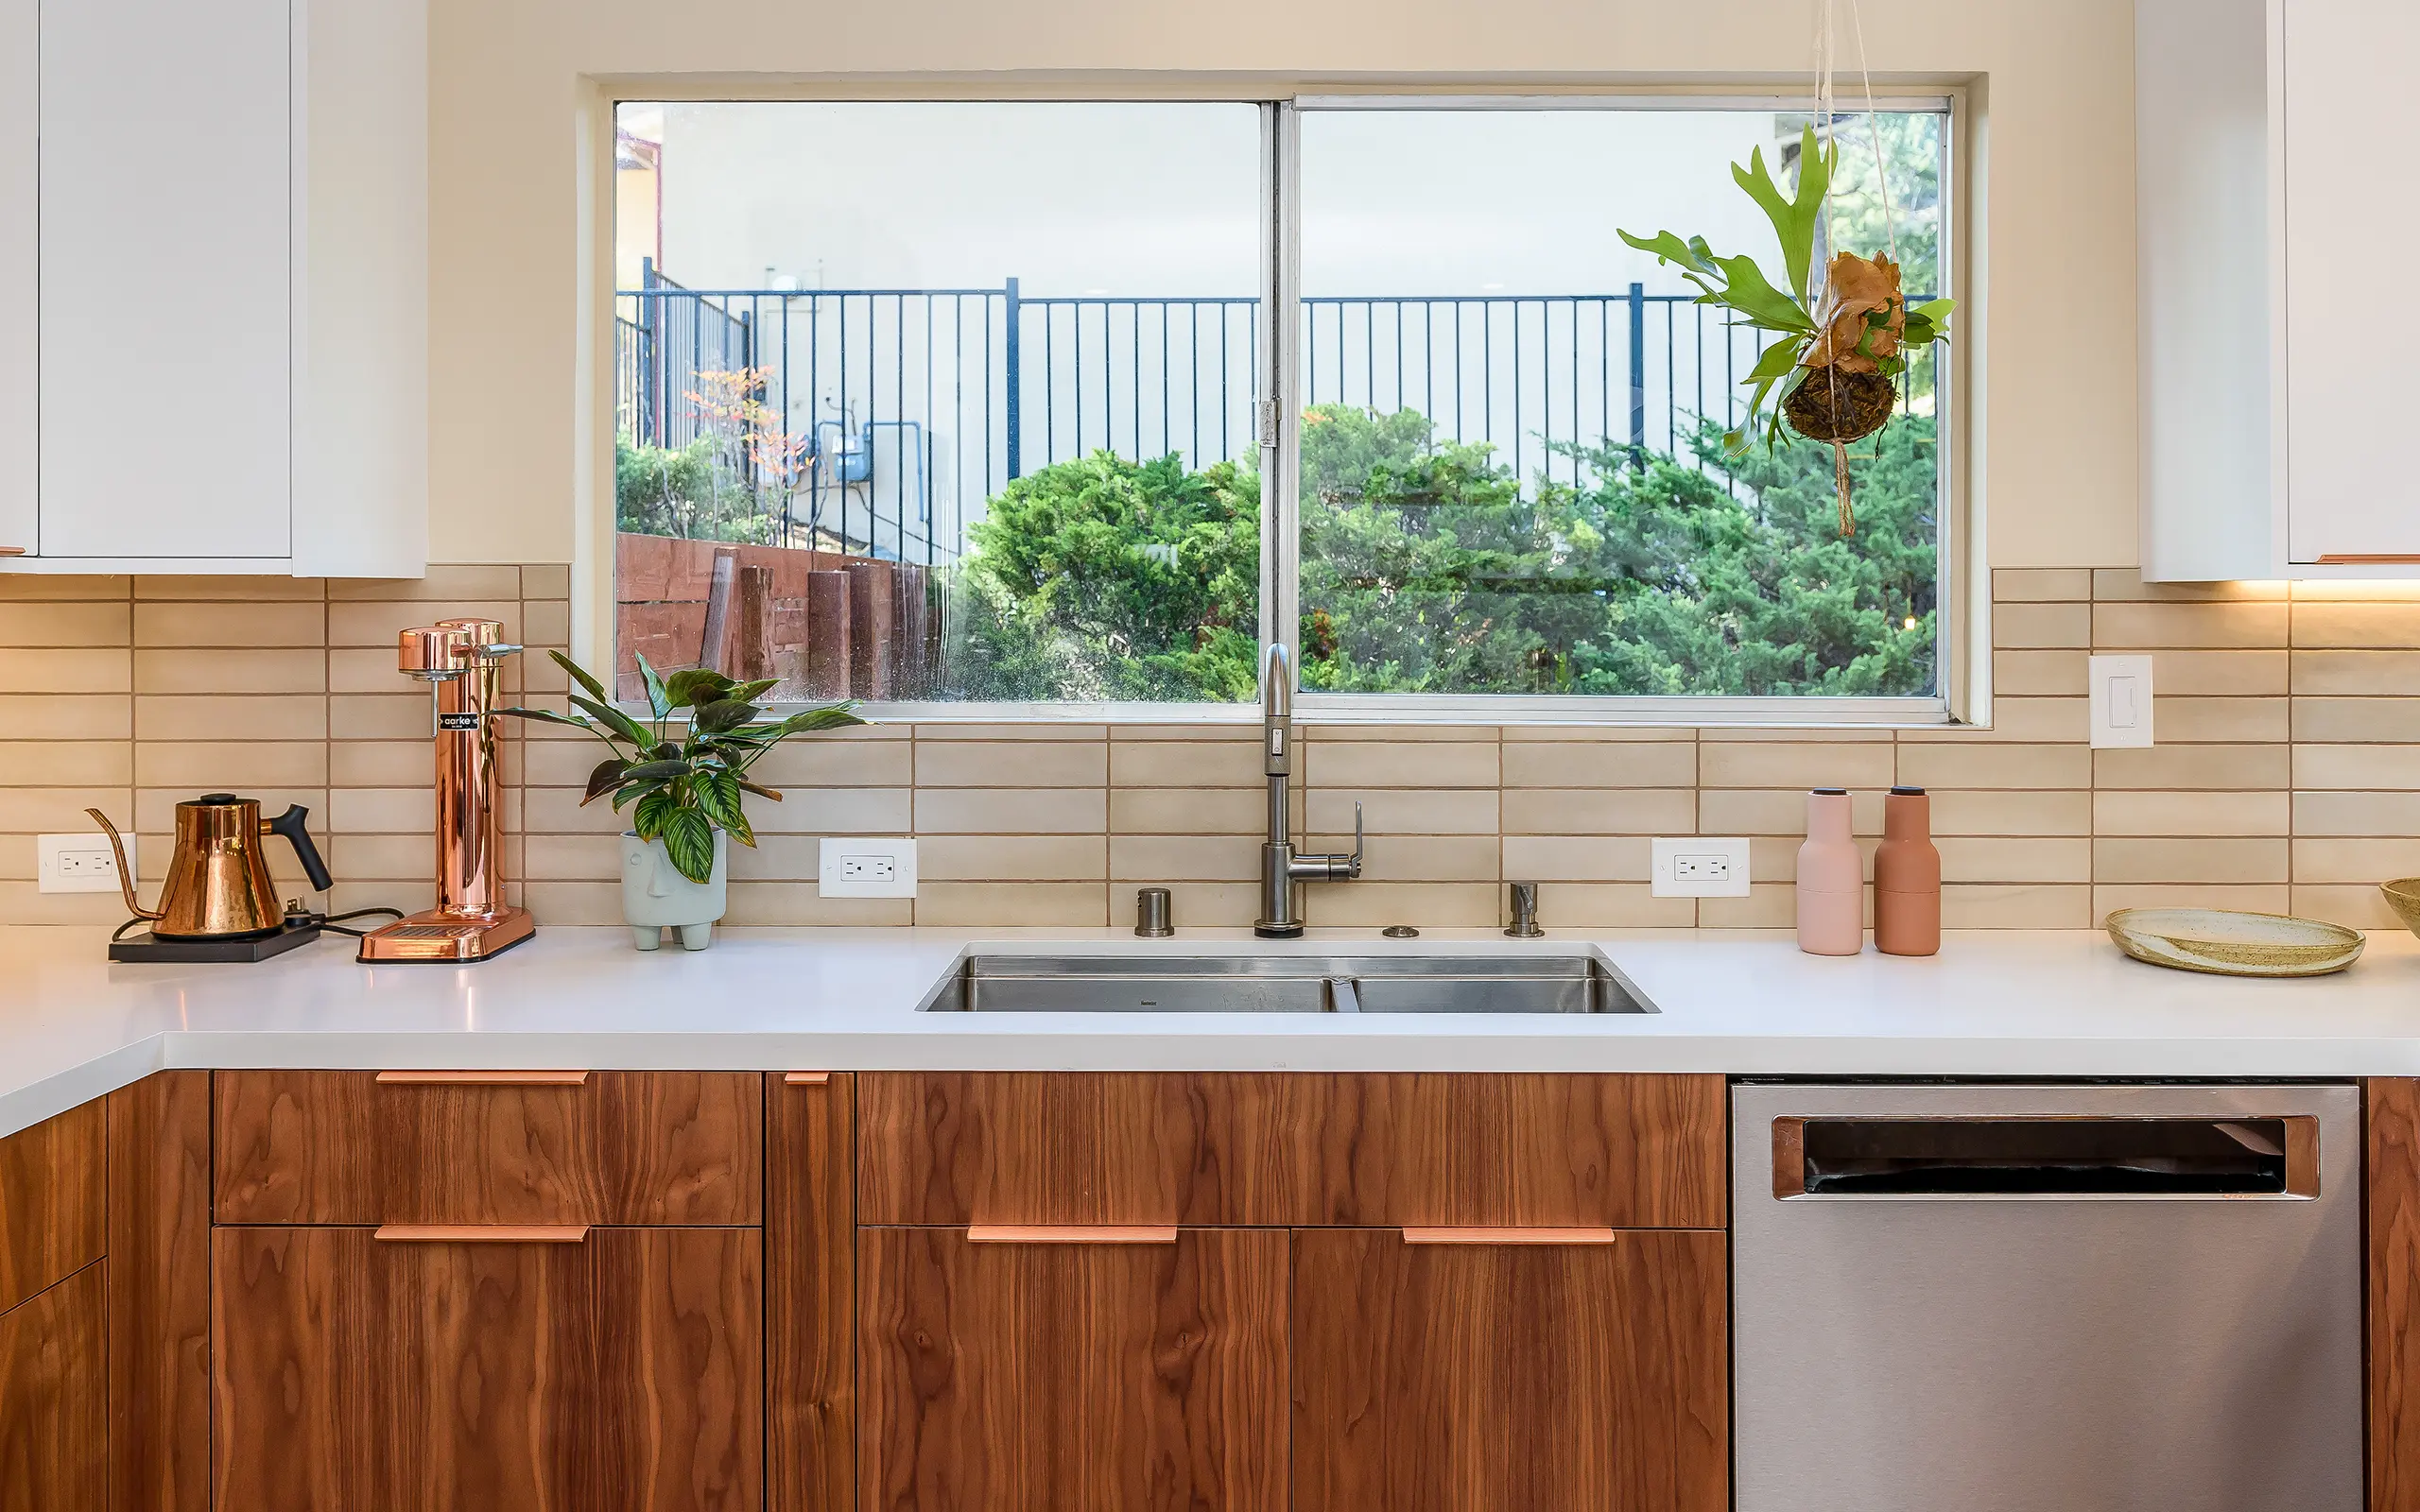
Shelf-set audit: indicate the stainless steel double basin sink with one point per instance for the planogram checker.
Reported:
(1238, 982)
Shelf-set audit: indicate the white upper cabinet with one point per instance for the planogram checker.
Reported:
(2352, 225)
(232, 254)
(19, 178)
(2270, 219)
(167, 292)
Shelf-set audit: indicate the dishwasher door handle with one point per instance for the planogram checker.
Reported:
(1996, 1156)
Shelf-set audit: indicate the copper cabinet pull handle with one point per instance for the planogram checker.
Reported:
(483, 1078)
(12, 551)
(806, 1078)
(482, 1234)
(1014, 1233)
(1510, 1236)
(2368, 559)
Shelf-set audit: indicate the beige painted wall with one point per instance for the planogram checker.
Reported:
(2053, 232)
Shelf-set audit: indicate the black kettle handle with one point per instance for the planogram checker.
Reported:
(292, 824)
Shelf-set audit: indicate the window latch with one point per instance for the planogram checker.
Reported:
(1267, 422)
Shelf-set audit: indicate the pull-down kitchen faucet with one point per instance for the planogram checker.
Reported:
(1280, 867)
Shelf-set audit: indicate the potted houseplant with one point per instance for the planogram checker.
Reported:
(685, 795)
(1842, 343)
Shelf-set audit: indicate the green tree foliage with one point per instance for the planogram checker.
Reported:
(1105, 578)
(684, 492)
(1426, 569)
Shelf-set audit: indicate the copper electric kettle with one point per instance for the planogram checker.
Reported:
(218, 885)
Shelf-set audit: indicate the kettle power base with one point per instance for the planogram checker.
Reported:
(149, 948)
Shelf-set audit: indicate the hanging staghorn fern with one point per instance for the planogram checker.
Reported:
(1842, 343)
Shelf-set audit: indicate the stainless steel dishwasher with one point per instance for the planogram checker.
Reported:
(2047, 1299)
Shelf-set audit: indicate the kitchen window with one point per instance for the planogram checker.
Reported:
(1063, 409)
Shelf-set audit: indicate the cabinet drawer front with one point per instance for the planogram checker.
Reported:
(1300, 1148)
(1073, 1377)
(619, 1147)
(624, 1372)
(1432, 1376)
(53, 1219)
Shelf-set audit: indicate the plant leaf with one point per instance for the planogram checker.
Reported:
(1692, 254)
(723, 714)
(1794, 219)
(657, 771)
(718, 796)
(1778, 359)
(751, 692)
(648, 818)
(689, 840)
(549, 716)
(581, 676)
(657, 699)
(829, 716)
(696, 687)
(615, 720)
(605, 779)
(1749, 293)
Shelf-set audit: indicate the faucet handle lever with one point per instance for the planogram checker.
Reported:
(1354, 868)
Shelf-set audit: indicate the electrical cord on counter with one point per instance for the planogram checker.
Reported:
(295, 918)
(333, 923)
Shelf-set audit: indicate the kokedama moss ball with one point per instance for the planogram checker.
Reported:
(1832, 405)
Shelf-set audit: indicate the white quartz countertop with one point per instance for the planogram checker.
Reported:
(74, 1026)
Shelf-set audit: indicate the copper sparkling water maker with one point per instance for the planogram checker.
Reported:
(460, 660)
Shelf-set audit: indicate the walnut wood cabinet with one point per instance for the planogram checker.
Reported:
(2392, 1158)
(540, 1289)
(1249, 1293)
(1073, 1370)
(104, 1264)
(1462, 1371)
(618, 1368)
(872, 1292)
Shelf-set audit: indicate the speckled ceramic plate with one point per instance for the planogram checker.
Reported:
(2227, 943)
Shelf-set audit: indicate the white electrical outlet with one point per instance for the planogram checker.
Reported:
(1699, 866)
(2122, 701)
(866, 867)
(77, 863)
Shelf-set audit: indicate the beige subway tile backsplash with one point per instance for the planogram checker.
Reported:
(2142, 626)
(63, 625)
(2288, 773)
(1766, 763)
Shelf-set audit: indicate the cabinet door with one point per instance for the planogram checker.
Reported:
(811, 1292)
(1469, 1377)
(1071, 1376)
(54, 1399)
(20, 258)
(166, 295)
(2346, 73)
(620, 1372)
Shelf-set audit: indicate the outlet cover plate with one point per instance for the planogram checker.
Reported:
(1699, 866)
(80, 862)
(863, 866)
(2122, 701)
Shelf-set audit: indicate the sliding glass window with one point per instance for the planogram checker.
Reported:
(946, 404)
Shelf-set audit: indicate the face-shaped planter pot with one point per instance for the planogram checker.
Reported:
(655, 897)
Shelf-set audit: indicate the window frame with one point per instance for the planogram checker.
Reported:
(1963, 694)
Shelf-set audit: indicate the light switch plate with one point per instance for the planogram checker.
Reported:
(2122, 701)
(1699, 866)
(860, 866)
(78, 862)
